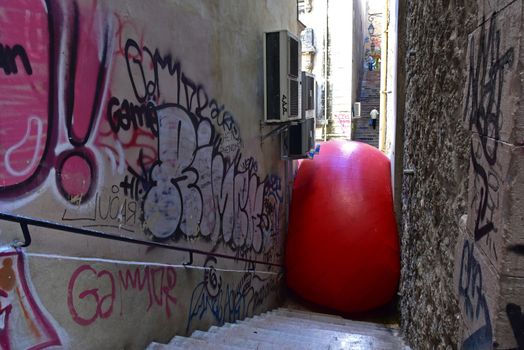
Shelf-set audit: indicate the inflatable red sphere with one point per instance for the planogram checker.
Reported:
(342, 249)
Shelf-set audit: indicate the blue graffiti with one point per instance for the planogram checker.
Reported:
(228, 303)
(475, 305)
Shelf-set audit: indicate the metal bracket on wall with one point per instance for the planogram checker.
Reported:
(276, 131)
(190, 262)
(27, 237)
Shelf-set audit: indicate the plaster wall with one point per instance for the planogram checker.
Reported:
(124, 120)
(392, 95)
(391, 80)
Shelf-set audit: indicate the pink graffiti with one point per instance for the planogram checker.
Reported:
(24, 76)
(103, 304)
(86, 68)
(125, 28)
(377, 42)
(40, 75)
(22, 322)
(136, 141)
(344, 120)
(92, 294)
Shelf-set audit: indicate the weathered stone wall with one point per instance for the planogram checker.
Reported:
(137, 121)
(464, 139)
(437, 149)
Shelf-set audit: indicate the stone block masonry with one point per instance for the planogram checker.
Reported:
(476, 287)
(495, 202)
(493, 113)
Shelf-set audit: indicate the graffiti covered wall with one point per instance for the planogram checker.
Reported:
(462, 279)
(492, 254)
(123, 121)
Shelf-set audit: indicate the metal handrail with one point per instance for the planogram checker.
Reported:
(25, 222)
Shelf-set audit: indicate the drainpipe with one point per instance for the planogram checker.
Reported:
(383, 79)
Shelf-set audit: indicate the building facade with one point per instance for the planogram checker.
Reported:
(336, 60)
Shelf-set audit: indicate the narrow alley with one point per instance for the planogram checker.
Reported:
(264, 174)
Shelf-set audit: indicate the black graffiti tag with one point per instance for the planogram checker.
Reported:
(516, 319)
(475, 305)
(482, 111)
(8, 58)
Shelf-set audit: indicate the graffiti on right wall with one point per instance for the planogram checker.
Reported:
(472, 301)
(491, 114)
(516, 319)
(487, 65)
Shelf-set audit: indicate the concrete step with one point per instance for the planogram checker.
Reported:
(365, 138)
(213, 338)
(194, 343)
(384, 338)
(158, 346)
(320, 338)
(291, 329)
(328, 318)
(276, 339)
(369, 142)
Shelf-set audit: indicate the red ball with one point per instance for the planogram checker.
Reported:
(342, 247)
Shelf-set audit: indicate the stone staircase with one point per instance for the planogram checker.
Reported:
(290, 329)
(369, 99)
(363, 132)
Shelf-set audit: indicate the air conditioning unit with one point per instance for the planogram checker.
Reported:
(298, 140)
(356, 110)
(281, 77)
(308, 95)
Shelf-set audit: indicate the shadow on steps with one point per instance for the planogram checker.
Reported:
(387, 315)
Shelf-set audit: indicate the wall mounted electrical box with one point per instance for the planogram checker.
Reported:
(356, 110)
(281, 77)
(298, 140)
(308, 95)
